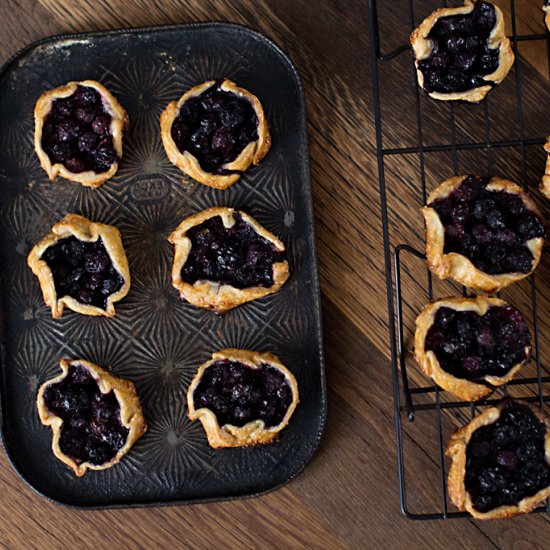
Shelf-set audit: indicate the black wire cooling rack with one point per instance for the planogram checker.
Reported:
(412, 402)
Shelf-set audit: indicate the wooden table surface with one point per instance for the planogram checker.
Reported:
(348, 495)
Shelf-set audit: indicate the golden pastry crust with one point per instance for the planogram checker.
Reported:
(254, 432)
(210, 294)
(253, 153)
(547, 16)
(84, 230)
(422, 47)
(457, 266)
(545, 182)
(427, 359)
(131, 414)
(456, 451)
(119, 122)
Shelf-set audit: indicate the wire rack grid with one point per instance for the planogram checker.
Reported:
(406, 398)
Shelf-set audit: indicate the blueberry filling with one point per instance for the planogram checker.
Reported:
(235, 256)
(238, 394)
(505, 461)
(92, 430)
(215, 127)
(82, 270)
(76, 132)
(471, 346)
(460, 56)
(490, 228)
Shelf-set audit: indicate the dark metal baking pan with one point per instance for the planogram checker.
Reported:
(155, 339)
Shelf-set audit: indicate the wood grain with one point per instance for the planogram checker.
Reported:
(347, 496)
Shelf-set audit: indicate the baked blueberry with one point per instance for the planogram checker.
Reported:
(469, 346)
(462, 52)
(500, 465)
(224, 258)
(81, 265)
(485, 233)
(242, 397)
(78, 132)
(214, 132)
(95, 417)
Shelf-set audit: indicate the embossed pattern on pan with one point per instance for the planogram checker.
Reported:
(156, 340)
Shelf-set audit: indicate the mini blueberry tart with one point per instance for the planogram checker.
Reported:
(95, 417)
(485, 233)
(78, 132)
(469, 346)
(214, 132)
(462, 52)
(546, 8)
(224, 258)
(500, 461)
(242, 397)
(545, 183)
(82, 265)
